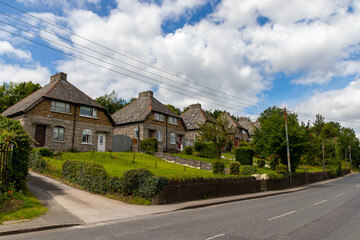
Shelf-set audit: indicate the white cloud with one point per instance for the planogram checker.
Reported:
(8, 49)
(15, 73)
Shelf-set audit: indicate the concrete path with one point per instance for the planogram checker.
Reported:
(69, 206)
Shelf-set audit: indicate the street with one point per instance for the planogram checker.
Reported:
(329, 211)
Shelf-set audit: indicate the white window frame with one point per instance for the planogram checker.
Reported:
(93, 112)
(136, 133)
(159, 117)
(172, 120)
(88, 139)
(172, 138)
(57, 130)
(159, 136)
(55, 108)
(244, 132)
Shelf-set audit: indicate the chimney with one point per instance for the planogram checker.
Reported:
(60, 75)
(146, 94)
(197, 105)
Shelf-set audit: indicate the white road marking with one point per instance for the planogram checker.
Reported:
(319, 202)
(339, 195)
(282, 215)
(220, 235)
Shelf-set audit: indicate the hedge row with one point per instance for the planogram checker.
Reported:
(244, 155)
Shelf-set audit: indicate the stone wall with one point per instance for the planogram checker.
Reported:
(185, 162)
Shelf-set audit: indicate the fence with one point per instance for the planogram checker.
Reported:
(5, 158)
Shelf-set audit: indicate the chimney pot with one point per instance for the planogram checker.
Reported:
(60, 75)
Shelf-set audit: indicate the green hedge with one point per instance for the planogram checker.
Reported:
(248, 170)
(218, 166)
(151, 186)
(244, 155)
(206, 150)
(234, 168)
(149, 145)
(261, 163)
(188, 150)
(133, 179)
(36, 162)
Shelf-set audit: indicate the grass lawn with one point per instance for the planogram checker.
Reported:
(21, 207)
(122, 162)
(202, 159)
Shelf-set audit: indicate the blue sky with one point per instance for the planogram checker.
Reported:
(241, 56)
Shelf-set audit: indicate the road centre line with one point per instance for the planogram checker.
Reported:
(285, 214)
(319, 202)
(339, 195)
(220, 235)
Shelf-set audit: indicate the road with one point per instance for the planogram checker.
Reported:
(328, 211)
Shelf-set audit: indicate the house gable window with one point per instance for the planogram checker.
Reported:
(159, 117)
(159, 136)
(86, 137)
(172, 138)
(173, 120)
(60, 107)
(87, 112)
(58, 133)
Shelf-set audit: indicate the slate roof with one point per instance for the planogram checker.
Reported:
(58, 88)
(195, 116)
(233, 122)
(250, 126)
(138, 110)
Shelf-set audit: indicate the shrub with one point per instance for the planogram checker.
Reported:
(274, 163)
(115, 184)
(218, 166)
(228, 146)
(243, 143)
(248, 170)
(133, 179)
(210, 151)
(149, 145)
(199, 146)
(44, 152)
(36, 162)
(281, 169)
(234, 167)
(276, 176)
(188, 150)
(332, 172)
(244, 155)
(151, 186)
(261, 163)
(336, 165)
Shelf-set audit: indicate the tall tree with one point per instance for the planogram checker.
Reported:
(174, 109)
(14, 92)
(111, 102)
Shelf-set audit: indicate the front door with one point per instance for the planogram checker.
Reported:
(180, 146)
(40, 135)
(101, 142)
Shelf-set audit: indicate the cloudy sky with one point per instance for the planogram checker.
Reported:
(242, 56)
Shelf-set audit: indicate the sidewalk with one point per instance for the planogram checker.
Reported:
(69, 206)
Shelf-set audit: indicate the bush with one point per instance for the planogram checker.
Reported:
(276, 176)
(228, 146)
(261, 163)
(151, 186)
(218, 166)
(36, 162)
(115, 185)
(18, 167)
(281, 169)
(188, 150)
(336, 165)
(44, 152)
(133, 179)
(206, 150)
(332, 172)
(199, 146)
(243, 143)
(248, 170)
(244, 155)
(149, 145)
(274, 163)
(234, 167)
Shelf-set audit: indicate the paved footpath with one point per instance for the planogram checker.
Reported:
(70, 206)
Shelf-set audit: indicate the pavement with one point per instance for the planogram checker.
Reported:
(69, 206)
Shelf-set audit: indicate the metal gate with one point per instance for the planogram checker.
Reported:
(122, 143)
(5, 158)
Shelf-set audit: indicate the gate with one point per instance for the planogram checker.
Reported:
(122, 143)
(5, 158)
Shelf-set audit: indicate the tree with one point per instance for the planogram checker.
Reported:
(14, 92)
(216, 113)
(174, 109)
(111, 102)
(270, 140)
(217, 132)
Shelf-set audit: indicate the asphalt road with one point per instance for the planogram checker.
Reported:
(329, 211)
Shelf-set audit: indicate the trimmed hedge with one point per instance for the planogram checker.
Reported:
(36, 162)
(234, 168)
(149, 145)
(151, 186)
(44, 152)
(133, 179)
(218, 166)
(188, 150)
(244, 155)
(206, 150)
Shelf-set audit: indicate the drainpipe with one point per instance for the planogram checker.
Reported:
(139, 138)
(73, 135)
(166, 134)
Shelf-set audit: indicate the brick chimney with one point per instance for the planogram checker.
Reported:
(60, 75)
(146, 94)
(197, 105)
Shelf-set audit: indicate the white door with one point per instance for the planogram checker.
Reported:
(101, 142)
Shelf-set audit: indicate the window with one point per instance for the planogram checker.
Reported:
(86, 136)
(136, 130)
(196, 136)
(173, 120)
(159, 136)
(58, 134)
(243, 131)
(87, 111)
(172, 138)
(159, 117)
(60, 106)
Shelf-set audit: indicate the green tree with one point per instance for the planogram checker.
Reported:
(216, 132)
(14, 92)
(111, 102)
(270, 140)
(174, 109)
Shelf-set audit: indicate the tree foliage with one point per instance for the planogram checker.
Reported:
(11, 93)
(111, 102)
(174, 109)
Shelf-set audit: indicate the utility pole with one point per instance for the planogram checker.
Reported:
(350, 155)
(323, 153)
(287, 146)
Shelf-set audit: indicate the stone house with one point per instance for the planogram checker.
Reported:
(61, 117)
(239, 133)
(249, 125)
(145, 118)
(194, 117)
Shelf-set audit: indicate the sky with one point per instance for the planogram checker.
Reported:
(239, 56)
